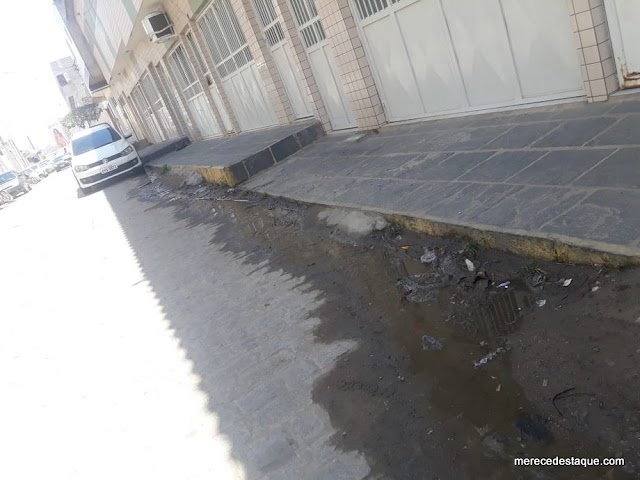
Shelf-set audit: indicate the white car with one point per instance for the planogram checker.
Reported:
(100, 153)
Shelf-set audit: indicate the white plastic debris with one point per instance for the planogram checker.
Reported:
(541, 303)
(489, 356)
(567, 282)
(595, 289)
(470, 265)
(429, 256)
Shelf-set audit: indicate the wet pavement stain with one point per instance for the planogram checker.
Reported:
(419, 412)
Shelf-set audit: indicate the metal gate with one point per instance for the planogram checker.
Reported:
(323, 64)
(281, 52)
(442, 56)
(146, 114)
(158, 106)
(196, 100)
(234, 62)
(624, 21)
(213, 89)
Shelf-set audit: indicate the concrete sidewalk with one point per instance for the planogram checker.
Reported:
(558, 182)
(232, 160)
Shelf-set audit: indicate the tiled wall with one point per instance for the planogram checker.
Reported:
(340, 27)
(266, 66)
(300, 54)
(591, 31)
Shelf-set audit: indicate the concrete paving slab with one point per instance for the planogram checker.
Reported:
(560, 167)
(424, 199)
(620, 170)
(574, 133)
(626, 132)
(449, 168)
(503, 165)
(157, 150)
(371, 192)
(629, 106)
(522, 135)
(468, 202)
(528, 208)
(609, 216)
(380, 166)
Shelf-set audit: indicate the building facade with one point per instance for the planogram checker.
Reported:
(70, 82)
(10, 157)
(239, 65)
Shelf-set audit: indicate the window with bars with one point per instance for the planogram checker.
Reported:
(185, 76)
(149, 89)
(224, 38)
(306, 16)
(269, 19)
(202, 66)
(366, 8)
(140, 100)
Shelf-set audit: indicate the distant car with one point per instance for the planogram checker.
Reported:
(47, 165)
(27, 176)
(40, 170)
(61, 162)
(100, 153)
(12, 183)
(29, 173)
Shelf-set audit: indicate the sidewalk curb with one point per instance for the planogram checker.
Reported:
(541, 246)
(246, 168)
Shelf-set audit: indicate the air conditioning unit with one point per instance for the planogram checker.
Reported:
(158, 27)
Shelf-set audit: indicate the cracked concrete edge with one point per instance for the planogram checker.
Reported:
(220, 175)
(535, 245)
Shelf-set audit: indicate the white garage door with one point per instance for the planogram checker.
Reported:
(283, 57)
(323, 64)
(444, 56)
(192, 90)
(234, 62)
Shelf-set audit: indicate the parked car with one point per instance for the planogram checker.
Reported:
(30, 175)
(13, 184)
(40, 170)
(99, 153)
(47, 166)
(61, 162)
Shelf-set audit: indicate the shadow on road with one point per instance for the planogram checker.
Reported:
(291, 330)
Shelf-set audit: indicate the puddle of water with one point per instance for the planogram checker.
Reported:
(479, 415)
(483, 409)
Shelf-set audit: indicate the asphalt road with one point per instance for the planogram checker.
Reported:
(133, 347)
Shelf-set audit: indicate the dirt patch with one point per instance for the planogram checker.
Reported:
(467, 358)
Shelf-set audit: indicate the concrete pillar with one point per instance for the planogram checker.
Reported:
(591, 34)
(195, 57)
(134, 120)
(291, 30)
(213, 73)
(360, 89)
(181, 113)
(252, 29)
(175, 115)
(154, 108)
(195, 131)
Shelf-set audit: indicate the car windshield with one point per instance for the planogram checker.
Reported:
(94, 140)
(7, 177)
(58, 159)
